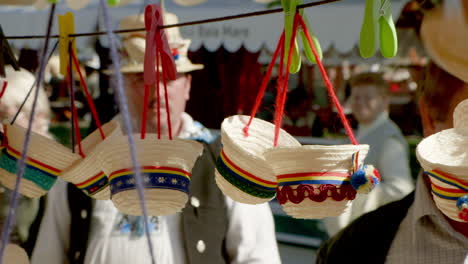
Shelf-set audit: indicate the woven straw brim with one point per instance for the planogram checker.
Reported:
(43, 149)
(177, 153)
(314, 158)
(448, 207)
(445, 151)
(27, 187)
(86, 168)
(247, 152)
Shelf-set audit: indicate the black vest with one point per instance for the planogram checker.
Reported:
(204, 219)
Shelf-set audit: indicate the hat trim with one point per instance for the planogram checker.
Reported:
(154, 178)
(94, 184)
(298, 195)
(447, 193)
(448, 179)
(224, 160)
(34, 173)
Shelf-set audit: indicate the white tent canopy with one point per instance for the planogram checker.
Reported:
(337, 23)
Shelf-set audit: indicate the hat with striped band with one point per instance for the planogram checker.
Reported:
(316, 181)
(87, 173)
(443, 158)
(165, 165)
(242, 173)
(46, 159)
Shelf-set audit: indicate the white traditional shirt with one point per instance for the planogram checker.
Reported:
(116, 238)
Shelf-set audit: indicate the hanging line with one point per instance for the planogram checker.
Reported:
(264, 84)
(185, 24)
(22, 162)
(331, 90)
(75, 127)
(89, 98)
(32, 87)
(122, 101)
(283, 87)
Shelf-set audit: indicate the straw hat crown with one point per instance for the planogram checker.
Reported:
(446, 150)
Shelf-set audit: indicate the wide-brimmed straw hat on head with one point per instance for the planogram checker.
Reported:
(320, 181)
(242, 173)
(165, 165)
(444, 157)
(444, 32)
(134, 45)
(87, 173)
(46, 159)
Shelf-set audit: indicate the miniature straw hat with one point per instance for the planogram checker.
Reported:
(87, 173)
(444, 159)
(316, 181)
(46, 160)
(166, 167)
(242, 173)
(134, 45)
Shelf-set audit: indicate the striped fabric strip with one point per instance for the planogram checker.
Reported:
(336, 178)
(447, 193)
(153, 178)
(94, 184)
(43, 179)
(46, 169)
(448, 179)
(246, 176)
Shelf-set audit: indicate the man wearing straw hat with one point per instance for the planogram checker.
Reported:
(211, 229)
(414, 230)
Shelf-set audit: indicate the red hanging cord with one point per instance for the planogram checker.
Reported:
(145, 111)
(4, 86)
(158, 99)
(88, 95)
(75, 114)
(281, 98)
(328, 84)
(264, 85)
(169, 126)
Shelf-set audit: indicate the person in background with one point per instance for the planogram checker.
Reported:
(18, 84)
(211, 228)
(413, 230)
(388, 150)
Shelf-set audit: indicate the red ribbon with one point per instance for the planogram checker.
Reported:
(4, 86)
(156, 37)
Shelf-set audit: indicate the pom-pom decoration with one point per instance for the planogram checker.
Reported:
(462, 204)
(364, 177)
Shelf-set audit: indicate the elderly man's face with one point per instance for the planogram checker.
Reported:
(178, 92)
(367, 103)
